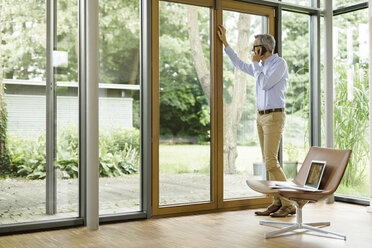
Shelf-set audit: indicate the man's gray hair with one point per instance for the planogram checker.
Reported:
(266, 40)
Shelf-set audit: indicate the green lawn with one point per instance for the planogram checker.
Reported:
(175, 159)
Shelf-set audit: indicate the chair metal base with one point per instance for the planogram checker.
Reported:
(290, 227)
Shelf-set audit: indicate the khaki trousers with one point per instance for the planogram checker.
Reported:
(270, 128)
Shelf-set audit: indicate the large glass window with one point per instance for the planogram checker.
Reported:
(25, 193)
(185, 103)
(295, 47)
(242, 153)
(351, 99)
(119, 106)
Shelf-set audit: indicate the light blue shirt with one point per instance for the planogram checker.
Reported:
(271, 79)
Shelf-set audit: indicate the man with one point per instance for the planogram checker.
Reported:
(271, 75)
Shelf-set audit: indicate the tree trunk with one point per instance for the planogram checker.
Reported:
(135, 67)
(197, 51)
(232, 111)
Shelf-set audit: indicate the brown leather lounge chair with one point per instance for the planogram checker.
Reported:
(336, 162)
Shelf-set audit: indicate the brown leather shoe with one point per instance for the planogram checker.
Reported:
(284, 211)
(270, 209)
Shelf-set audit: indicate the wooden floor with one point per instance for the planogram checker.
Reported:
(225, 229)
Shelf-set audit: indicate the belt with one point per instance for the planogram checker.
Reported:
(268, 111)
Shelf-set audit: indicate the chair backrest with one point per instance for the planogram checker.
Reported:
(336, 162)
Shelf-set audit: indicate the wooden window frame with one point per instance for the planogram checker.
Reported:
(217, 202)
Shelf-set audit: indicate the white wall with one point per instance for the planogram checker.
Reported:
(26, 113)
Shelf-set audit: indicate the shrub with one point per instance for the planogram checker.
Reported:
(119, 163)
(119, 154)
(27, 157)
(119, 151)
(68, 152)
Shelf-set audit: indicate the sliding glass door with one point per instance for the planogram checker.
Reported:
(184, 104)
(241, 151)
(240, 155)
(204, 141)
